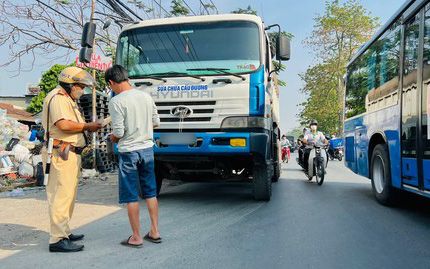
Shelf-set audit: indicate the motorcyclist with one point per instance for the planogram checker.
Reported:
(285, 146)
(302, 146)
(313, 137)
(330, 150)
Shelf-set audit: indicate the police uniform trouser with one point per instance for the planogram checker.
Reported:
(61, 191)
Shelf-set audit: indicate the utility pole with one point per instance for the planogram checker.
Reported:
(94, 110)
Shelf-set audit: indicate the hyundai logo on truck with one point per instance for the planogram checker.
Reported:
(181, 111)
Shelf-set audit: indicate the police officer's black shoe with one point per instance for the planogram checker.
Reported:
(65, 245)
(76, 237)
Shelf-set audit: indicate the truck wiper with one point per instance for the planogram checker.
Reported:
(178, 74)
(219, 70)
(150, 77)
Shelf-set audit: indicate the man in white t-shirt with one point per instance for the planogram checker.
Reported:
(134, 116)
(313, 137)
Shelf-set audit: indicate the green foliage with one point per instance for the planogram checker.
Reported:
(49, 79)
(248, 10)
(342, 29)
(296, 132)
(322, 103)
(36, 103)
(273, 36)
(48, 82)
(337, 34)
(179, 9)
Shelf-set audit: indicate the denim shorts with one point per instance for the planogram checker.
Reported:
(136, 175)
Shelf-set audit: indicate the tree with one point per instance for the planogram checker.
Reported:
(53, 29)
(179, 9)
(296, 132)
(321, 105)
(248, 10)
(337, 34)
(48, 82)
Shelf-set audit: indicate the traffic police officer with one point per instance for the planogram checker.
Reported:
(65, 124)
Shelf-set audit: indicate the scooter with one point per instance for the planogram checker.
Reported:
(336, 153)
(301, 152)
(335, 150)
(285, 154)
(317, 164)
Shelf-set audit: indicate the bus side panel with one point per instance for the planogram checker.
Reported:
(426, 165)
(360, 130)
(386, 122)
(393, 139)
(350, 142)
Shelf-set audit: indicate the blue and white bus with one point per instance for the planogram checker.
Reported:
(387, 106)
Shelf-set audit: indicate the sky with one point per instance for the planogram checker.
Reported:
(294, 16)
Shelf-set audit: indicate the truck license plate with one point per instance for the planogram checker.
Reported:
(177, 139)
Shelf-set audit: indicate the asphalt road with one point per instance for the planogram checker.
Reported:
(218, 225)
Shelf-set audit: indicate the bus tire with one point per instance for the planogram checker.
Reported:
(262, 183)
(380, 174)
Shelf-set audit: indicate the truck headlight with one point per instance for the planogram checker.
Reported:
(246, 122)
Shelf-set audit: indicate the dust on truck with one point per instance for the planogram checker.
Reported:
(216, 92)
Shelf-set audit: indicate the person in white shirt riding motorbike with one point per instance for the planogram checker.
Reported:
(312, 138)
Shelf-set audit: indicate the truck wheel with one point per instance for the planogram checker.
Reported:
(380, 174)
(262, 183)
(159, 182)
(158, 179)
(276, 163)
(277, 171)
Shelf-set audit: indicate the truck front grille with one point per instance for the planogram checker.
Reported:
(202, 111)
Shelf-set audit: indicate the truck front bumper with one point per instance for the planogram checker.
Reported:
(218, 144)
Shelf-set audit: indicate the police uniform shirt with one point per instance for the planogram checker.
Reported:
(62, 107)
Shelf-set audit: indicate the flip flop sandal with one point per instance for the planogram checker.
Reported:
(127, 244)
(147, 237)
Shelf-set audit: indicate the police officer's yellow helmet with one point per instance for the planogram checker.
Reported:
(76, 75)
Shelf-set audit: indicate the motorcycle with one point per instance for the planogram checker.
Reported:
(285, 154)
(336, 153)
(335, 150)
(317, 164)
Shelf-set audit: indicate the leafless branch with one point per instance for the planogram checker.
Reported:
(35, 34)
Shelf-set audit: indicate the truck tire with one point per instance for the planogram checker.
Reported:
(276, 172)
(262, 183)
(380, 174)
(276, 164)
(158, 179)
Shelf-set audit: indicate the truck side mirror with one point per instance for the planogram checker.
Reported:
(85, 55)
(283, 48)
(88, 35)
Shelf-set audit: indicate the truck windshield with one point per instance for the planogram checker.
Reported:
(233, 45)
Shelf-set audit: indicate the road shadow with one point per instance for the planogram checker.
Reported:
(356, 194)
(225, 192)
(20, 237)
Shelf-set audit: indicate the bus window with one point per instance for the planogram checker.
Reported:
(425, 119)
(409, 94)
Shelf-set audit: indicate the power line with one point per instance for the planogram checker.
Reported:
(58, 12)
(204, 6)
(214, 6)
(67, 17)
(118, 9)
(192, 11)
(162, 8)
(106, 6)
(129, 10)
